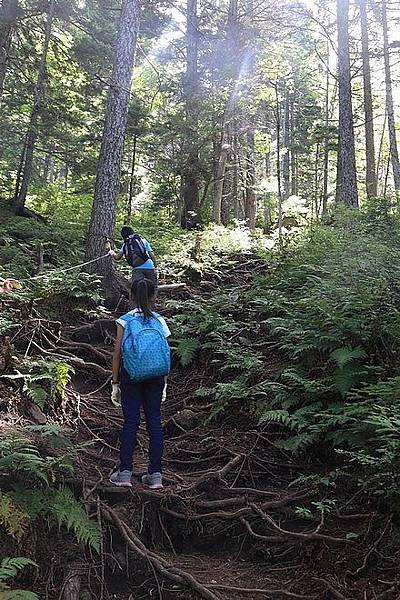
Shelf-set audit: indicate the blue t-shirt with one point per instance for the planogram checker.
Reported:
(149, 263)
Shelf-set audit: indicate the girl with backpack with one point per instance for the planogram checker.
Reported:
(141, 362)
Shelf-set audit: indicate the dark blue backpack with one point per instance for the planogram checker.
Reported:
(145, 350)
(135, 251)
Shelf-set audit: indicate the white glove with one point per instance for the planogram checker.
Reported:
(164, 394)
(116, 395)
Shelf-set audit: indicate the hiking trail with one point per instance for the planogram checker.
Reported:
(230, 523)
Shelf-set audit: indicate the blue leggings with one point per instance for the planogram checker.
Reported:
(134, 395)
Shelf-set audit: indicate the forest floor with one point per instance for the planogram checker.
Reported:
(234, 520)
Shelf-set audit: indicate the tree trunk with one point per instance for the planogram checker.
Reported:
(104, 209)
(220, 174)
(286, 144)
(191, 170)
(251, 198)
(317, 180)
(293, 177)
(371, 181)
(23, 182)
(326, 140)
(380, 154)
(234, 55)
(132, 178)
(235, 183)
(394, 153)
(278, 161)
(8, 17)
(346, 190)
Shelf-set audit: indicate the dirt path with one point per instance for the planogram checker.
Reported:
(229, 524)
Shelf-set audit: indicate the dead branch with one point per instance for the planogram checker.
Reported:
(170, 287)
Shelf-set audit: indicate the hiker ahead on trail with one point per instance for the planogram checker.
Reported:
(141, 362)
(138, 254)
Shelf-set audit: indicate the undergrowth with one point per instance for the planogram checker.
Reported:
(328, 313)
(30, 491)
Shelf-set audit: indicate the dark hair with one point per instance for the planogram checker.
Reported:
(142, 294)
(126, 232)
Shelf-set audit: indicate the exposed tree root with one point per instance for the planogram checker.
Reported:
(160, 565)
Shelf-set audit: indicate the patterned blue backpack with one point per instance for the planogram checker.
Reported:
(145, 350)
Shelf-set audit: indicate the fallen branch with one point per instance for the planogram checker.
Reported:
(171, 287)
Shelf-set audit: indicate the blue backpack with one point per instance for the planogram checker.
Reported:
(145, 350)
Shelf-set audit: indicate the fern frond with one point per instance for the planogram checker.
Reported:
(69, 512)
(9, 567)
(187, 350)
(15, 520)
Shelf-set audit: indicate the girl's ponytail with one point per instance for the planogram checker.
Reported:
(143, 294)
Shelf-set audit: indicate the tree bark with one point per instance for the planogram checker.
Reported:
(233, 38)
(251, 198)
(394, 153)
(371, 181)
(286, 144)
(220, 174)
(191, 171)
(278, 160)
(132, 178)
(346, 186)
(23, 181)
(8, 18)
(326, 140)
(103, 216)
(380, 154)
(293, 175)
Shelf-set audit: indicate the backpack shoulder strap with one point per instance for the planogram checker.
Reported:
(127, 317)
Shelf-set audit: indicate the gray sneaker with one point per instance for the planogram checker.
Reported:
(153, 481)
(121, 478)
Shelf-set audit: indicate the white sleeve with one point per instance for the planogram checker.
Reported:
(121, 322)
(165, 327)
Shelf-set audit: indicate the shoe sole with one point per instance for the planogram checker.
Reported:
(121, 483)
(157, 486)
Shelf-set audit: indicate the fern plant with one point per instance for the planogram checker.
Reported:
(9, 569)
(27, 502)
(42, 379)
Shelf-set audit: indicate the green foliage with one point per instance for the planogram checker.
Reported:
(327, 318)
(186, 350)
(43, 380)
(9, 568)
(20, 456)
(69, 512)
